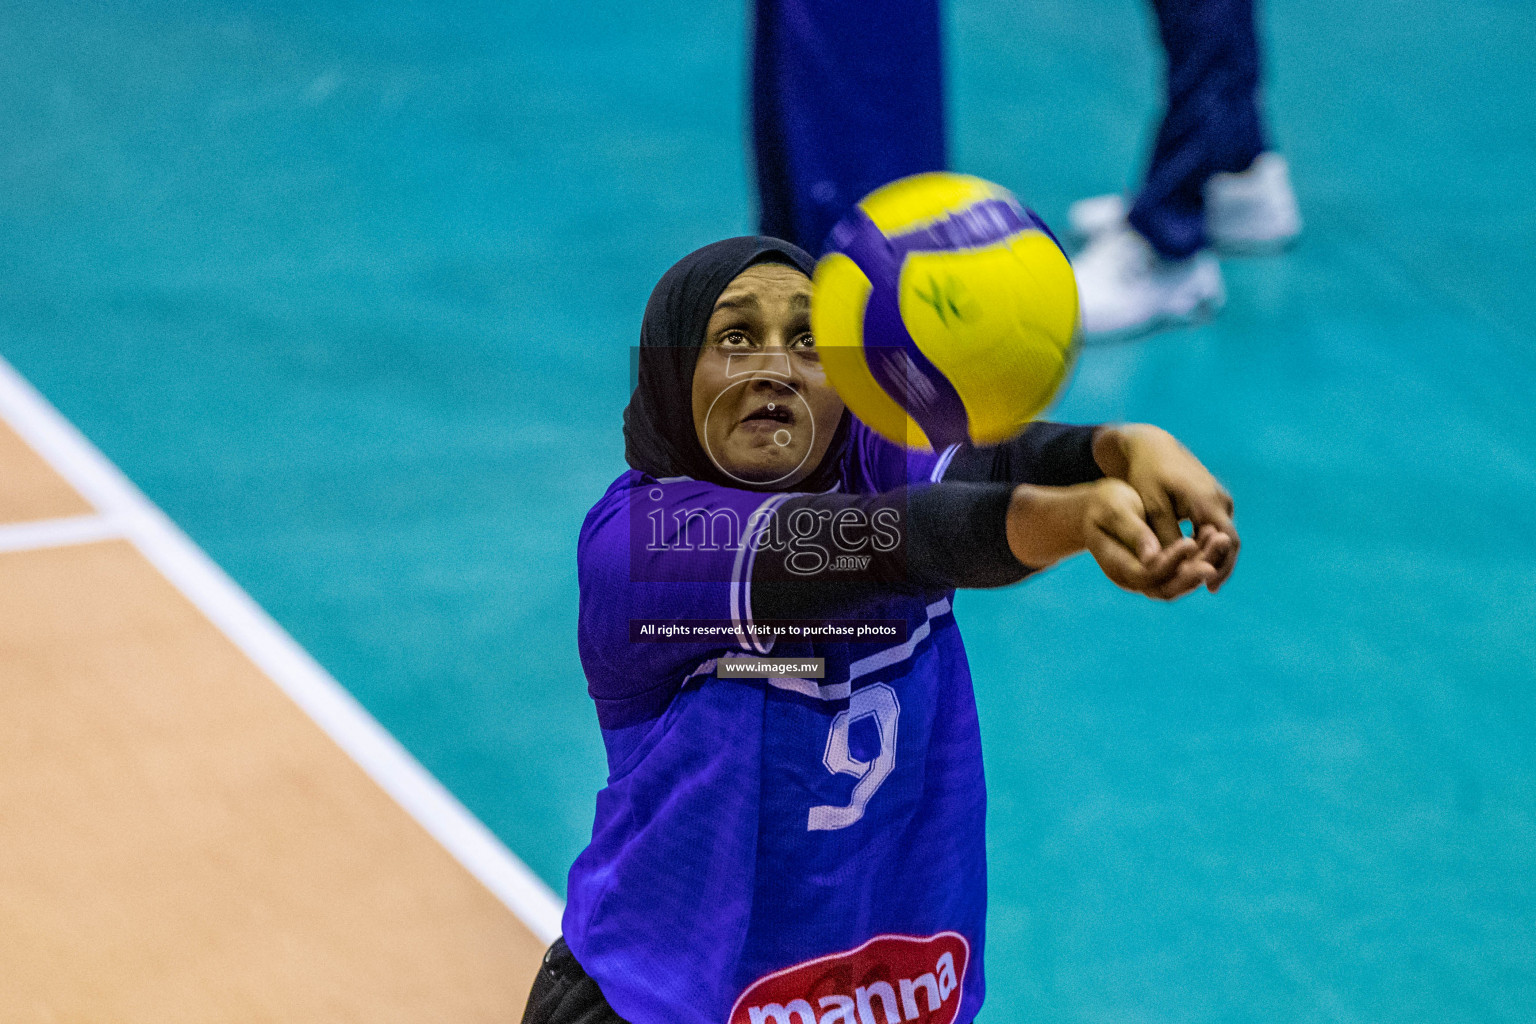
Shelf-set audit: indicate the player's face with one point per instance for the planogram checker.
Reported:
(762, 407)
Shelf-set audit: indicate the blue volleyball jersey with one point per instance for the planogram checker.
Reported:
(794, 851)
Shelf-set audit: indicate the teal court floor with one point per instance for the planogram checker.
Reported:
(349, 289)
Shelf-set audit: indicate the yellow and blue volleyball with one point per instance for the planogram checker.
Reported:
(945, 312)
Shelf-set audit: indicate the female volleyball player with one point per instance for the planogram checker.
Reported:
(811, 850)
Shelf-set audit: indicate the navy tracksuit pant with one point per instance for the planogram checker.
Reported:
(1212, 121)
(848, 95)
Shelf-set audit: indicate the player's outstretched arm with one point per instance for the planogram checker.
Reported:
(988, 534)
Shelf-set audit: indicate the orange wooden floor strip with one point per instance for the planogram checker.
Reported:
(29, 489)
(180, 842)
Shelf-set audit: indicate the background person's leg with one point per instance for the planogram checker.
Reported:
(1211, 124)
(845, 97)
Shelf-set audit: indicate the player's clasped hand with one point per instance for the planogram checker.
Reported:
(1174, 486)
(1116, 533)
(1130, 520)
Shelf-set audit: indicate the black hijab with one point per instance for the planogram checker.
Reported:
(659, 438)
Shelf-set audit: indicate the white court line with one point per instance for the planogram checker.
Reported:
(124, 507)
(54, 533)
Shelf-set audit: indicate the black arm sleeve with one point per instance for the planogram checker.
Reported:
(1047, 454)
(918, 540)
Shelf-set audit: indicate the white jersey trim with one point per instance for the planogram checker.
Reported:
(902, 651)
(942, 466)
(741, 575)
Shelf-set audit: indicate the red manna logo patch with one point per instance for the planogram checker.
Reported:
(888, 980)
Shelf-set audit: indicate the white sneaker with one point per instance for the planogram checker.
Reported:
(1253, 211)
(1247, 213)
(1126, 289)
(1091, 217)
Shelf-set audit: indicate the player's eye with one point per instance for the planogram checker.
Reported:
(734, 339)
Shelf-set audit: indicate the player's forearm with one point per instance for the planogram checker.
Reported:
(1047, 524)
(1052, 454)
